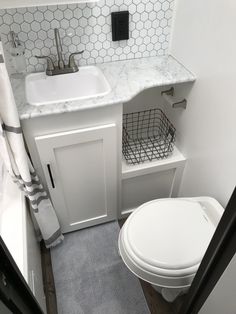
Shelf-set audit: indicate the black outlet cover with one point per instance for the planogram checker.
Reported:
(120, 25)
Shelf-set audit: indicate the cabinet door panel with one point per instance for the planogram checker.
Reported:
(83, 165)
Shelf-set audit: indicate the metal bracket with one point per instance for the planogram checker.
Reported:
(175, 102)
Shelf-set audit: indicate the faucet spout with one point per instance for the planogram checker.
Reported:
(61, 64)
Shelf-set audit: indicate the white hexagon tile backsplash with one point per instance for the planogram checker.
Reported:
(88, 27)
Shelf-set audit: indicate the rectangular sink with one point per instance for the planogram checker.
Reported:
(88, 82)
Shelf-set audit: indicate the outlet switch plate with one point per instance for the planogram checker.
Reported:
(120, 25)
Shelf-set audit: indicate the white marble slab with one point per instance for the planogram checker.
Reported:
(127, 79)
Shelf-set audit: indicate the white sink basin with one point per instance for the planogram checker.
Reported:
(88, 82)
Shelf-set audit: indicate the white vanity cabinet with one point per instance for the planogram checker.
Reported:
(77, 157)
(80, 170)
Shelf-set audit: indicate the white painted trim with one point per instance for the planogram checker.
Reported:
(77, 131)
(174, 161)
(127, 212)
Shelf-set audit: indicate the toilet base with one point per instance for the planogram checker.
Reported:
(170, 294)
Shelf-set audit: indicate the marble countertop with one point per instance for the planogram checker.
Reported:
(127, 79)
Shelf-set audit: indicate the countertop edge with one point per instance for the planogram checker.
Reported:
(27, 111)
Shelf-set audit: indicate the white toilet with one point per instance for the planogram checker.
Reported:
(163, 241)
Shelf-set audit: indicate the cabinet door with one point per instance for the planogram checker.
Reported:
(80, 168)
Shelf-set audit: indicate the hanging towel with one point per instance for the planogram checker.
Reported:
(19, 166)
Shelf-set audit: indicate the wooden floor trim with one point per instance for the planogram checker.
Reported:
(48, 280)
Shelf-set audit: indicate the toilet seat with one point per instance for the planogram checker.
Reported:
(163, 241)
(169, 234)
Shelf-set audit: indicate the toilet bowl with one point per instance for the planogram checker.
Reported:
(163, 241)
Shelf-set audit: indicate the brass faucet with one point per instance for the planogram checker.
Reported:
(60, 68)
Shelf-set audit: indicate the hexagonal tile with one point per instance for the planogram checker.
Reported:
(38, 16)
(160, 15)
(30, 44)
(152, 16)
(136, 17)
(55, 24)
(65, 24)
(165, 6)
(32, 35)
(45, 25)
(39, 44)
(143, 32)
(18, 18)
(35, 26)
(149, 7)
(83, 22)
(103, 52)
(75, 40)
(98, 45)
(48, 15)
(101, 20)
(148, 24)
(48, 42)
(110, 52)
(163, 23)
(21, 10)
(74, 22)
(42, 35)
(139, 25)
(139, 41)
(88, 26)
(22, 36)
(85, 39)
(25, 27)
(168, 14)
(150, 47)
(58, 14)
(144, 16)
(105, 11)
(28, 17)
(132, 8)
(93, 38)
(77, 13)
(135, 33)
(97, 29)
(68, 14)
(15, 27)
(87, 12)
(157, 6)
(101, 37)
(141, 8)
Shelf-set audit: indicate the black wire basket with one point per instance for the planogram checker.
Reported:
(147, 135)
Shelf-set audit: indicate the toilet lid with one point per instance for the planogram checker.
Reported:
(169, 233)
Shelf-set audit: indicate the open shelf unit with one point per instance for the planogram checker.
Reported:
(150, 180)
(130, 171)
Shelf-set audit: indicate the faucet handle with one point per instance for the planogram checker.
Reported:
(72, 63)
(50, 65)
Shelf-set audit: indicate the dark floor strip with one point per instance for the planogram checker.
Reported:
(48, 280)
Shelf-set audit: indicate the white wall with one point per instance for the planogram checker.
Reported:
(204, 40)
